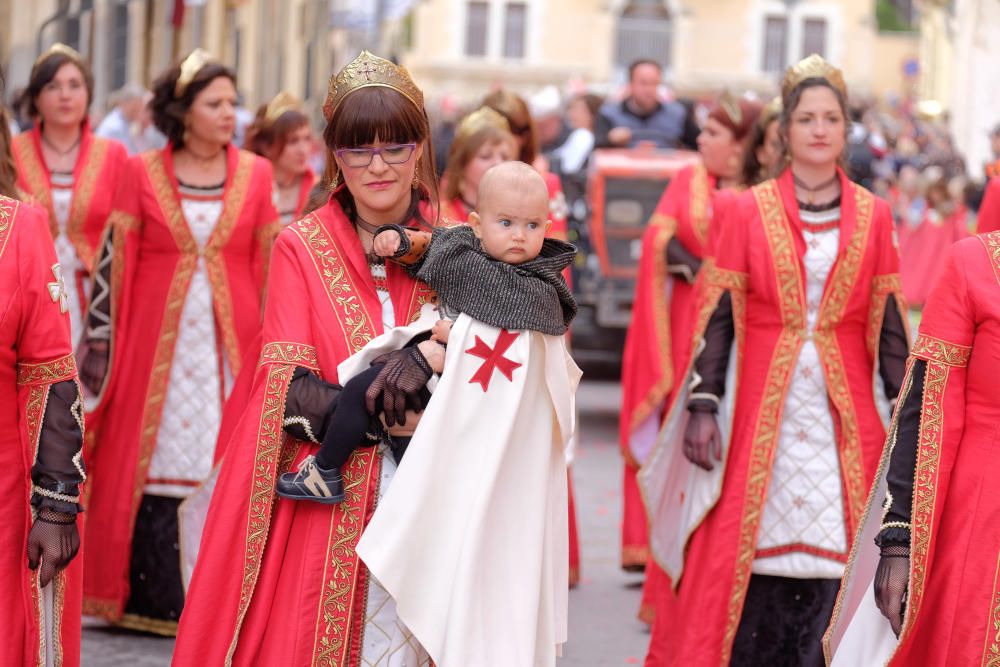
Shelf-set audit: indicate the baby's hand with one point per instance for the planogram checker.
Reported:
(441, 331)
(386, 243)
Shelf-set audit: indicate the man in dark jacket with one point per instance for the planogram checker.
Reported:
(641, 117)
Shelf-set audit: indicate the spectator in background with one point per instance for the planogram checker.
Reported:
(993, 169)
(120, 123)
(546, 110)
(572, 155)
(641, 116)
(148, 137)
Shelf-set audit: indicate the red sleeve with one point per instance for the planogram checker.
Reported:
(267, 223)
(287, 318)
(730, 242)
(989, 211)
(43, 332)
(949, 314)
(888, 258)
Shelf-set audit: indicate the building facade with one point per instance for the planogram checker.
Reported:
(464, 47)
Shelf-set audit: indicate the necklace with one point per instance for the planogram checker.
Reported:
(57, 150)
(812, 190)
(203, 160)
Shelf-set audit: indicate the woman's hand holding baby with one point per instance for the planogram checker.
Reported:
(386, 243)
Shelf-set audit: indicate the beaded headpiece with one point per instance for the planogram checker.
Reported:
(370, 70)
(190, 67)
(63, 49)
(477, 120)
(813, 67)
(731, 106)
(282, 102)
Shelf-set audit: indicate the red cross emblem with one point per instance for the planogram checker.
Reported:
(494, 358)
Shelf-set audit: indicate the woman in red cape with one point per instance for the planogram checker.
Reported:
(281, 133)
(922, 248)
(483, 139)
(931, 519)
(190, 241)
(752, 523)
(280, 582)
(66, 169)
(41, 417)
(989, 211)
(663, 312)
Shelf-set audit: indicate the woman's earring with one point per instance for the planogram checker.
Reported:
(336, 180)
(416, 177)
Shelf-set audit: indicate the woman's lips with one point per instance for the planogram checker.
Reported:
(378, 185)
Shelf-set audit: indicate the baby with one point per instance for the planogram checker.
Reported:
(499, 270)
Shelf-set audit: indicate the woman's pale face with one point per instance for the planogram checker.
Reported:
(817, 128)
(489, 155)
(721, 152)
(769, 152)
(381, 187)
(212, 116)
(294, 157)
(63, 100)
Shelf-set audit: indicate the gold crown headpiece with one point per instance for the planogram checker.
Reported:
(477, 120)
(731, 105)
(61, 49)
(282, 102)
(770, 111)
(370, 70)
(190, 67)
(813, 67)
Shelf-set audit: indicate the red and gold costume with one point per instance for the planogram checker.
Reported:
(300, 594)
(706, 527)
(78, 209)
(989, 210)
(922, 251)
(187, 274)
(942, 502)
(41, 626)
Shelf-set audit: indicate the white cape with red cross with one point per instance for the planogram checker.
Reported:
(471, 538)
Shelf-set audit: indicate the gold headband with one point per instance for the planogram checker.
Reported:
(813, 67)
(190, 67)
(731, 105)
(482, 117)
(282, 102)
(770, 111)
(370, 70)
(60, 48)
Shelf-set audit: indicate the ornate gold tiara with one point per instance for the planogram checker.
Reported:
(190, 67)
(813, 67)
(370, 70)
(482, 117)
(282, 102)
(731, 105)
(63, 49)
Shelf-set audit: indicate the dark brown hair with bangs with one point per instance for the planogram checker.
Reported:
(378, 113)
(43, 73)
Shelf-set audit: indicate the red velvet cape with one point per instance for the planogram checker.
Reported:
(759, 261)
(35, 352)
(280, 582)
(154, 259)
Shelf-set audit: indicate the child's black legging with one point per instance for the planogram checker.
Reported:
(349, 423)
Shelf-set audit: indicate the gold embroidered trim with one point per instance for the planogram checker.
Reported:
(297, 354)
(883, 287)
(33, 173)
(991, 648)
(992, 242)
(699, 211)
(48, 372)
(929, 348)
(83, 194)
(8, 212)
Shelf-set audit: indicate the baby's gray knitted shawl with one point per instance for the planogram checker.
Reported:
(532, 295)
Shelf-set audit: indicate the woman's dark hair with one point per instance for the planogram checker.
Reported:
(592, 102)
(169, 111)
(753, 171)
(268, 137)
(790, 102)
(371, 114)
(513, 107)
(8, 170)
(43, 73)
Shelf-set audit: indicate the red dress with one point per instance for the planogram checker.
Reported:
(277, 581)
(922, 251)
(952, 612)
(759, 262)
(99, 166)
(35, 353)
(155, 257)
(989, 210)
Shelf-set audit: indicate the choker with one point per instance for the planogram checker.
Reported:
(812, 189)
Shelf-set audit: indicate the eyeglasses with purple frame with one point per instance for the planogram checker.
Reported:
(362, 157)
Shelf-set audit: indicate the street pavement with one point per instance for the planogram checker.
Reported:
(603, 628)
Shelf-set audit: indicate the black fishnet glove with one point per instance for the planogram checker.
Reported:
(92, 361)
(702, 440)
(401, 384)
(891, 581)
(52, 542)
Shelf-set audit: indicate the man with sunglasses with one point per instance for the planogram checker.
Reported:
(641, 117)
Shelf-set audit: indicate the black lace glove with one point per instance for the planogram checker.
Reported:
(52, 542)
(892, 578)
(401, 384)
(92, 361)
